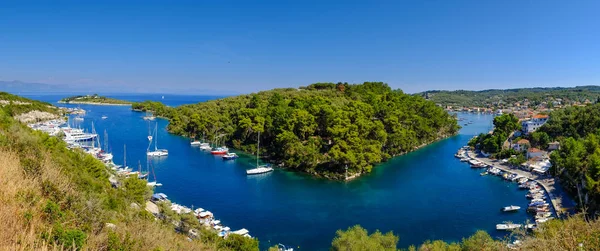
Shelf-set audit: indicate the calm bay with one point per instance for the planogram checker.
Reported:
(426, 194)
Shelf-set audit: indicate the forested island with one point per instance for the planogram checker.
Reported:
(498, 99)
(319, 129)
(94, 99)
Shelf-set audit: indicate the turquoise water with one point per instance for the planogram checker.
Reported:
(427, 194)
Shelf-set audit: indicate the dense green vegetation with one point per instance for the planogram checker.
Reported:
(504, 126)
(577, 162)
(55, 198)
(318, 129)
(18, 105)
(574, 233)
(95, 98)
(493, 98)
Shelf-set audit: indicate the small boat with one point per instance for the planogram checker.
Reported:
(149, 116)
(104, 117)
(281, 247)
(195, 143)
(258, 169)
(157, 152)
(79, 118)
(511, 208)
(230, 156)
(484, 173)
(205, 146)
(542, 220)
(507, 226)
(154, 184)
(220, 150)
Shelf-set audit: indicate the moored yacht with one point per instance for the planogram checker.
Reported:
(507, 226)
(149, 116)
(74, 135)
(230, 156)
(511, 208)
(220, 150)
(157, 152)
(259, 169)
(205, 146)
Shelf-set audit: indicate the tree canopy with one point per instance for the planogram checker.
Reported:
(318, 129)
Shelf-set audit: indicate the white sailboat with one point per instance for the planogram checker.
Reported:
(124, 169)
(152, 183)
(258, 169)
(149, 116)
(157, 152)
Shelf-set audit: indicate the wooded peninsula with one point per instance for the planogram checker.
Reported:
(94, 99)
(319, 129)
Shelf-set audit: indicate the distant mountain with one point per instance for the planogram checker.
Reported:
(23, 87)
(19, 87)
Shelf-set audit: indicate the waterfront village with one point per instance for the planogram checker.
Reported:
(78, 139)
(546, 198)
(523, 109)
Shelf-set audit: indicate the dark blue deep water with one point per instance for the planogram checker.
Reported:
(427, 194)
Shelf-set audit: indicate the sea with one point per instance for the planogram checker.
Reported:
(424, 195)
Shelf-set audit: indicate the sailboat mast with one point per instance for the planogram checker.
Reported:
(105, 141)
(124, 156)
(257, 148)
(156, 137)
(94, 131)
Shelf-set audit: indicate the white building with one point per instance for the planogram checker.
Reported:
(529, 126)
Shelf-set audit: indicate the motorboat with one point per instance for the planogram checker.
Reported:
(205, 146)
(74, 135)
(507, 226)
(511, 208)
(230, 156)
(220, 150)
(195, 143)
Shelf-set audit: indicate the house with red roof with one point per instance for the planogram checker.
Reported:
(530, 125)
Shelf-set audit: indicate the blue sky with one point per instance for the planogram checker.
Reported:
(246, 46)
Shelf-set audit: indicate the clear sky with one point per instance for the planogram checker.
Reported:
(245, 46)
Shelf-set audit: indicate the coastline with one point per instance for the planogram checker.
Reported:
(91, 103)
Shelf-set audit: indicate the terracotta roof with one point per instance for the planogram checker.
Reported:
(523, 142)
(534, 150)
(540, 116)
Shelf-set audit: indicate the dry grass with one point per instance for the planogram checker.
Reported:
(22, 202)
(574, 233)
